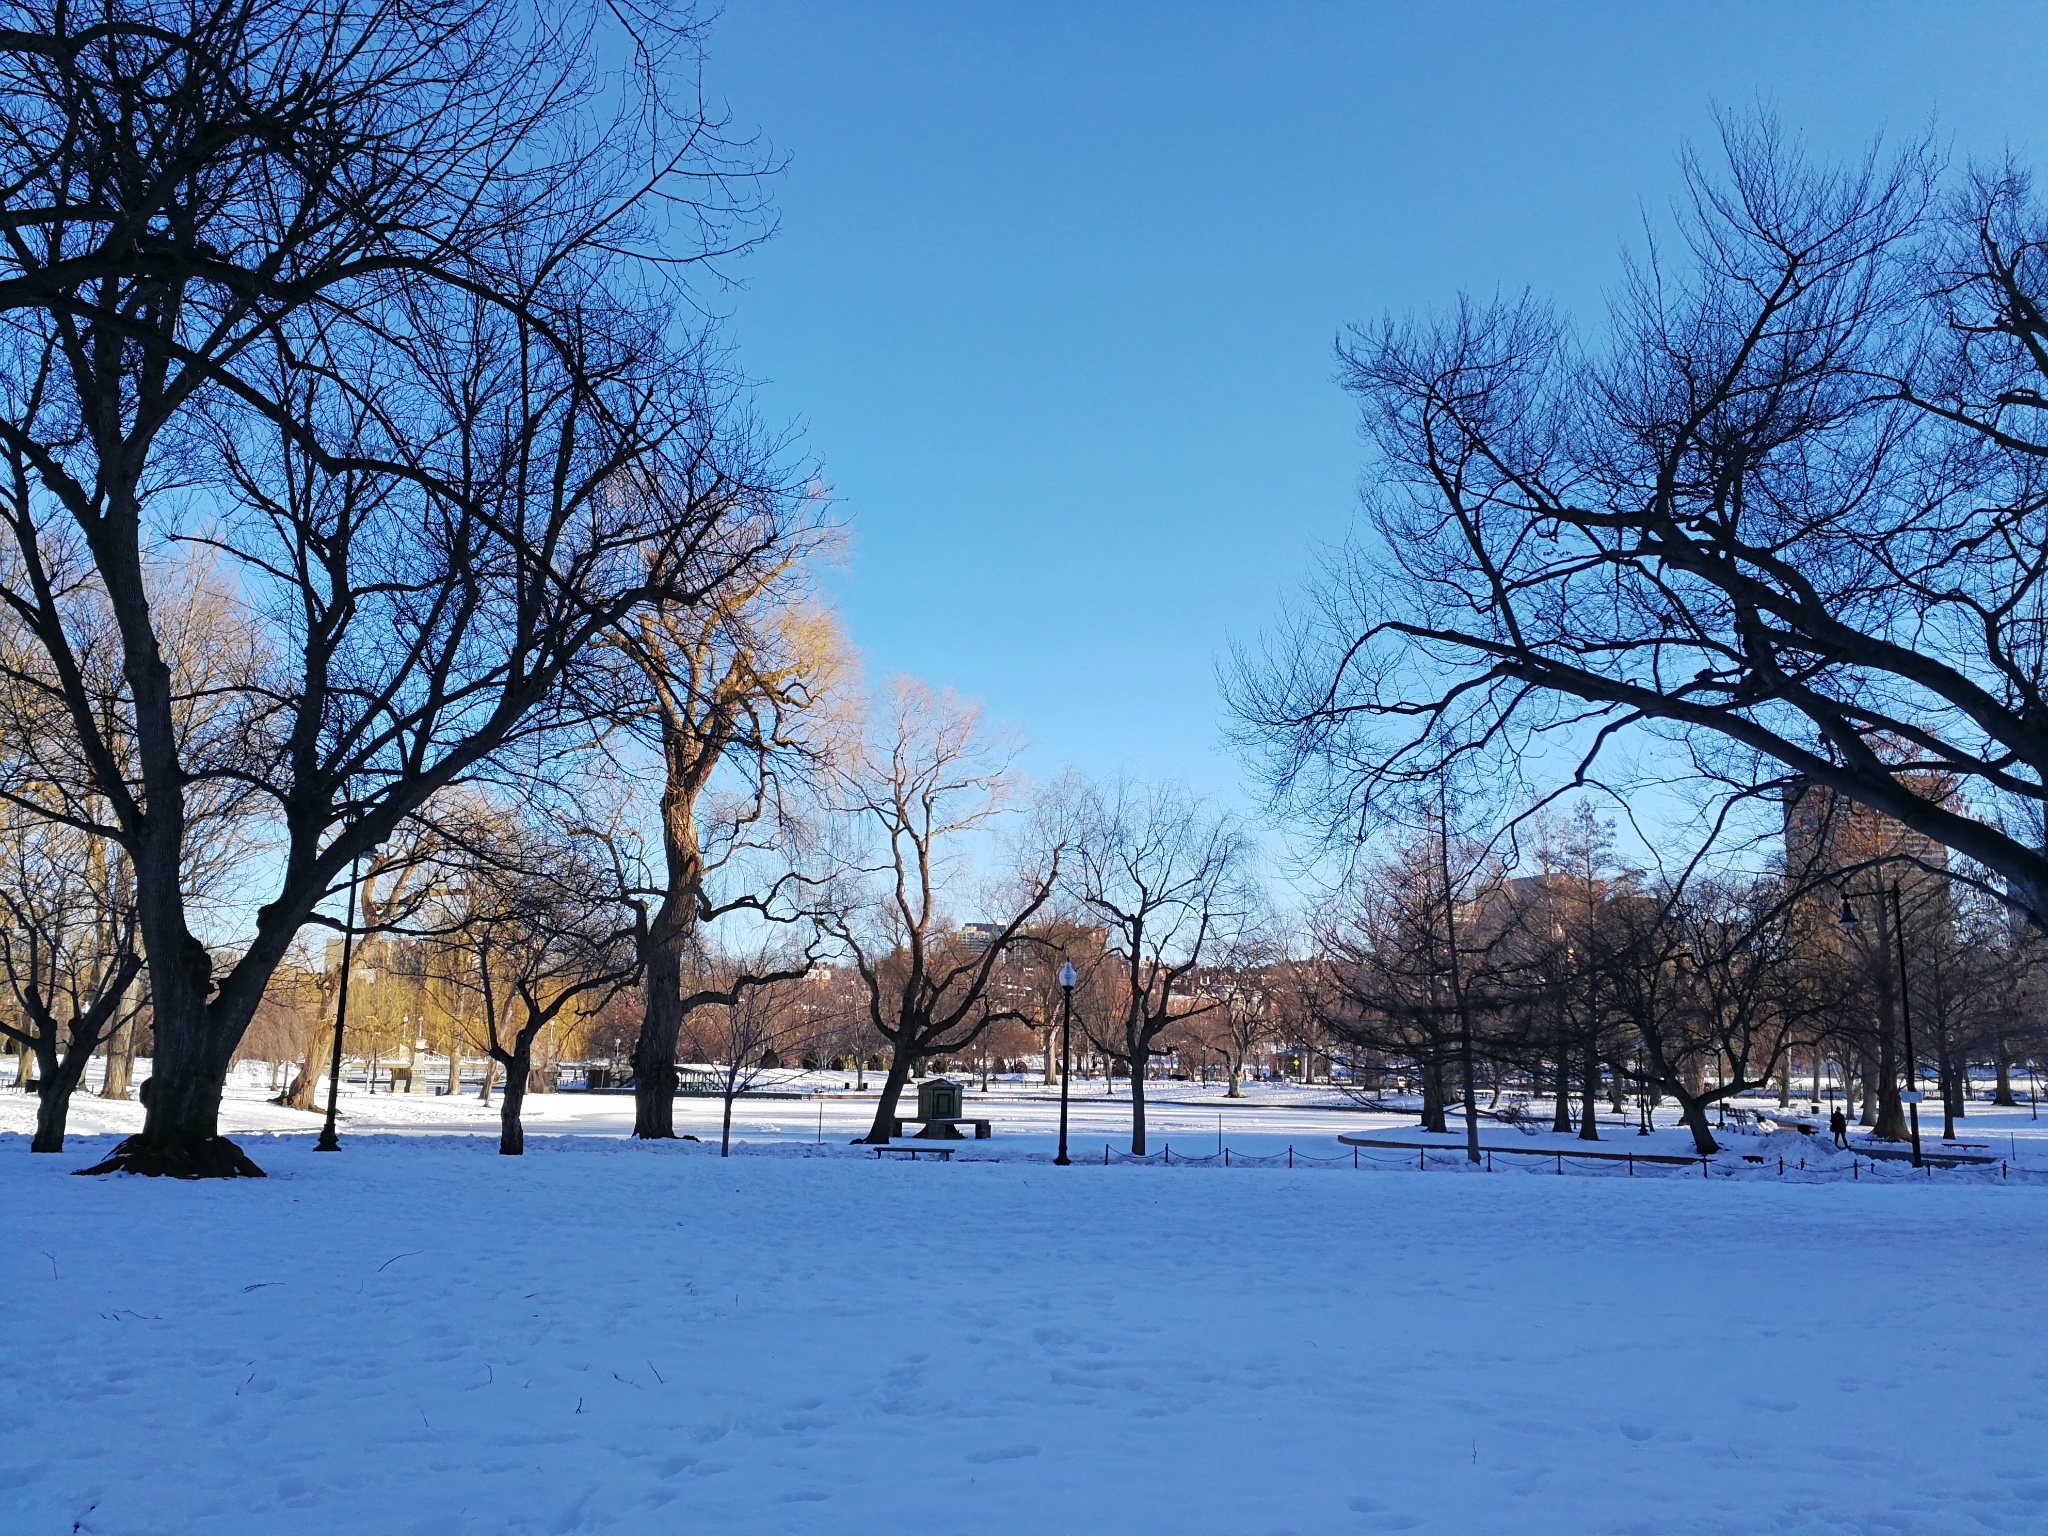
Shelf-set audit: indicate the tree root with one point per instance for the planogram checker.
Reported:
(214, 1157)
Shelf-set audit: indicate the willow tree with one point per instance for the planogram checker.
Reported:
(379, 302)
(733, 689)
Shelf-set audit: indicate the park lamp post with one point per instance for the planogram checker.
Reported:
(1911, 1096)
(1067, 980)
(329, 1142)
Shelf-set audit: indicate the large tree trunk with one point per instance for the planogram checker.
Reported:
(1694, 1116)
(1052, 1061)
(1891, 1109)
(512, 1134)
(120, 1072)
(1236, 1070)
(1561, 1112)
(53, 1105)
(1433, 1096)
(181, 1135)
(304, 1092)
(2002, 1095)
(661, 1027)
(1589, 1097)
(1138, 1105)
(892, 1091)
(454, 1061)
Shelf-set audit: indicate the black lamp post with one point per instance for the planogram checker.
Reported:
(1911, 1096)
(329, 1142)
(1067, 980)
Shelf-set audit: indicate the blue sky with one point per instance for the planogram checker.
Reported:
(1057, 286)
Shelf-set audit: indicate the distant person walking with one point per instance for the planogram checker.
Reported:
(1839, 1124)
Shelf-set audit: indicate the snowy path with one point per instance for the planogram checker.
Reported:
(417, 1336)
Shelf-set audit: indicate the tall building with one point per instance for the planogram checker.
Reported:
(1840, 849)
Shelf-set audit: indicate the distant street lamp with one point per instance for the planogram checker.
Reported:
(329, 1142)
(1067, 980)
(1911, 1097)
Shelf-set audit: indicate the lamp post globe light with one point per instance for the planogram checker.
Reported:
(1067, 980)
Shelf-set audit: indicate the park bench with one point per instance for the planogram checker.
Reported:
(944, 1154)
(1784, 1120)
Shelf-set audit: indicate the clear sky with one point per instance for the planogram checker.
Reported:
(1057, 285)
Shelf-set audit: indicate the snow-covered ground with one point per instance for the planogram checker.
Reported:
(418, 1336)
(1190, 1118)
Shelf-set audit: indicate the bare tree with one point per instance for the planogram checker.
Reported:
(734, 683)
(1788, 510)
(400, 283)
(1167, 876)
(1699, 972)
(923, 785)
(1415, 947)
(746, 1026)
(536, 912)
(67, 952)
(1255, 983)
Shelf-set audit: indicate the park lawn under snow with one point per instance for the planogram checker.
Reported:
(419, 1336)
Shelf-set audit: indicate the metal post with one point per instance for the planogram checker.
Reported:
(1906, 1018)
(329, 1142)
(1067, 979)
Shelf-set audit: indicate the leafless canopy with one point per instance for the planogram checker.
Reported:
(386, 303)
(1792, 510)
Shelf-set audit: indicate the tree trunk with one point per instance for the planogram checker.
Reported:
(1561, 1114)
(661, 1027)
(725, 1130)
(483, 1094)
(304, 1092)
(1589, 1097)
(120, 1063)
(1433, 1096)
(892, 1091)
(181, 1135)
(1694, 1116)
(2002, 1095)
(1052, 1062)
(454, 1060)
(53, 1103)
(1138, 1106)
(1866, 1072)
(1891, 1109)
(1235, 1070)
(1785, 1081)
(512, 1134)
